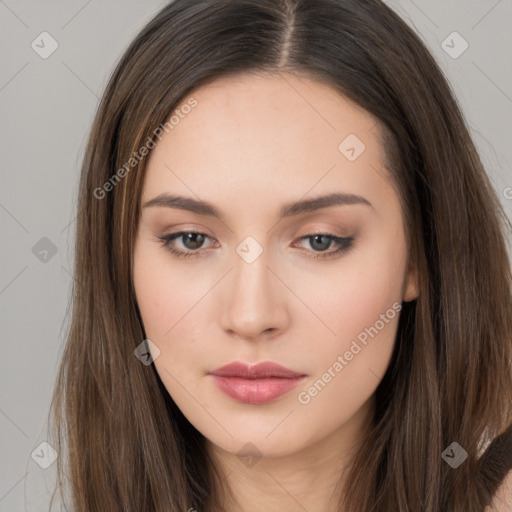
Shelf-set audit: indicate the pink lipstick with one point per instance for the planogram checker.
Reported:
(255, 384)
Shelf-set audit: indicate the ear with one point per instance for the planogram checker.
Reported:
(411, 284)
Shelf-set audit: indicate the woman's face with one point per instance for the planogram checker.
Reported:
(258, 285)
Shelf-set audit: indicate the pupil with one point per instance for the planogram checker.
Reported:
(325, 245)
(196, 244)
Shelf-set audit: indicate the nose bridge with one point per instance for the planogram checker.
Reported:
(253, 302)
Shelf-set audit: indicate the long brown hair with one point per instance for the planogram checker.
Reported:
(124, 444)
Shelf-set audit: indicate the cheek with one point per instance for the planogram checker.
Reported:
(360, 303)
(155, 298)
(350, 295)
(350, 365)
(172, 306)
(163, 296)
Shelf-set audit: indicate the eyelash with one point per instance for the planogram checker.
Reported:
(344, 243)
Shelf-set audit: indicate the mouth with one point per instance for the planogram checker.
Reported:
(255, 384)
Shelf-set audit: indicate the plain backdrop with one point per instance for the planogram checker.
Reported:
(47, 103)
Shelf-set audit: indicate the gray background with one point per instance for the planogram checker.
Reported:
(47, 106)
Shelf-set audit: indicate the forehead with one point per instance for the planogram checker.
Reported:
(250, 135)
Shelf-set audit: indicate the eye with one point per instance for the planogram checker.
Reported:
(322, 241)
(193, 241)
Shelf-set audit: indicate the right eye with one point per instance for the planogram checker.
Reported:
(191, 240)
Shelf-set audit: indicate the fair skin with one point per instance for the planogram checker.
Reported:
(502, 501)
(251, 145)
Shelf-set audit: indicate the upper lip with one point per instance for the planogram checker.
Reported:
(257, 371)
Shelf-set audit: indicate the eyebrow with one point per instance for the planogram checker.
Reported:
(288, 210)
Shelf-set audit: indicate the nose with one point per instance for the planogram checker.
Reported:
(255, 300)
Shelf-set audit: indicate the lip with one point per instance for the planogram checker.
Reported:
(255, 384)
(255, 371)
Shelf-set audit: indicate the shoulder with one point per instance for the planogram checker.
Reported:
(502, 501)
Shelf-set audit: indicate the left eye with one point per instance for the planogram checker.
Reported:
(193, 240)
(323, 241)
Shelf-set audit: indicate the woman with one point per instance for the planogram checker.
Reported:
(293, 285)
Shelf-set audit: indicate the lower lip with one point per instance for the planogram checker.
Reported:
(256, 391)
